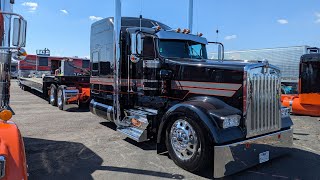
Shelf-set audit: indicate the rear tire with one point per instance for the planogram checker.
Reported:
(188, 144)
(60, 97)
(53, 95)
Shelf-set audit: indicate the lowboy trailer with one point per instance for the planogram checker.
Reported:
(64, 91)
(157, 83)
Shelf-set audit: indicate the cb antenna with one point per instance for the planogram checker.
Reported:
(217, 36)
(140, 14)
(140, 21)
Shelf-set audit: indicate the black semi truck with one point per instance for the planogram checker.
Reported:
(154, 82)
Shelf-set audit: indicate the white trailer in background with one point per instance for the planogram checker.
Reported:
(286, 58)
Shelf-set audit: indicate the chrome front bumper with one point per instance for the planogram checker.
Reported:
(232, 158)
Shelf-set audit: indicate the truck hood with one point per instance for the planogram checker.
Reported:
(226, 64)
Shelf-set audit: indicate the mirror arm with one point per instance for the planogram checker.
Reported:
(222, 58)
(14, 14)
(10, 48)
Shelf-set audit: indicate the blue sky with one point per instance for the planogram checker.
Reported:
(63, 26)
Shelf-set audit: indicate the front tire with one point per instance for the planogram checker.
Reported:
(187, 143)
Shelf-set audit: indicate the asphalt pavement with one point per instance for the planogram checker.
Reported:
(79, 145)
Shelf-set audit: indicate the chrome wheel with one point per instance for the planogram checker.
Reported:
(59, 98)
(52, 95)
(183, 139)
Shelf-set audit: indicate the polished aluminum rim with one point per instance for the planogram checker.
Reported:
(52, 93)
(59, 98)
(183, 139)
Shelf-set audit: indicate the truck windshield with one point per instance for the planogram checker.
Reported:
(310, 77)
(182, 49)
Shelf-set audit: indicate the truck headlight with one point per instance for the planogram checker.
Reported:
(285, 112)
(2, 166)
(230, 121)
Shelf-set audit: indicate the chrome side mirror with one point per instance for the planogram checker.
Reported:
(19, 32)
(19, 55)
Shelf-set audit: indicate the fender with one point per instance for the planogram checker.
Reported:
(208, 110)
(12, 148)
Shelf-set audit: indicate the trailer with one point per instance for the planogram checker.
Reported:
(157, 83)
(307, 101)
(13, 164)
(65, 89)
(45, 64)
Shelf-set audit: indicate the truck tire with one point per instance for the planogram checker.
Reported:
(187, 143)
(83, 105)
(53, 95)
(60, 97)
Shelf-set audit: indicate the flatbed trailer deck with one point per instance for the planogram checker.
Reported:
(61, 91)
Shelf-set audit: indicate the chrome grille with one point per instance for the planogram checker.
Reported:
(263, 103)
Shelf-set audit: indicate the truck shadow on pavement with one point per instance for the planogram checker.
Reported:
(297, 164)
(49, 159)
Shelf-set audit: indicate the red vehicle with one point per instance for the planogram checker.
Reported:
(12, 153)
(37, 65)
(307, 101)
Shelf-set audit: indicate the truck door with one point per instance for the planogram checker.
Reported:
(143, 73)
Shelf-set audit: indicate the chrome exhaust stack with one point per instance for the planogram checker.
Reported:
(117, 73)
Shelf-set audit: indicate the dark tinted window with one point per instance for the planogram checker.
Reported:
(13, 68)
(148, 47)
(95, 64)
(43, 61)
(105, 68)
(182, 49)
(85, 64)
(310, 82)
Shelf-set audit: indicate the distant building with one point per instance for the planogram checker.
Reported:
(286, 58)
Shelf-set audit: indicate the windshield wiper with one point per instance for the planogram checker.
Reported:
(199, 57)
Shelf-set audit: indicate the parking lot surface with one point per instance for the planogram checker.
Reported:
(80, 145)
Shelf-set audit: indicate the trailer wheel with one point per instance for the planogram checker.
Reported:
(60, 97)
(53, 95)
(187, 144)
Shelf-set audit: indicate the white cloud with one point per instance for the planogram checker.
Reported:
(64, 11)
(95, 18)
(230, 37)
(31, 5)
(282, 21)
(317, 14)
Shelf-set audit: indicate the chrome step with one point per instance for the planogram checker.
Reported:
(134, 133)
(136, 121)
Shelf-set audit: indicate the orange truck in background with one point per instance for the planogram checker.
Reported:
(13, 164)
(307, 101)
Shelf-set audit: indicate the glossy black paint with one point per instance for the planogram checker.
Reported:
(161, 96)
(209, 110)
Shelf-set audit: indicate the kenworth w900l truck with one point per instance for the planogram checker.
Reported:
(12, 38)
(157, 83)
